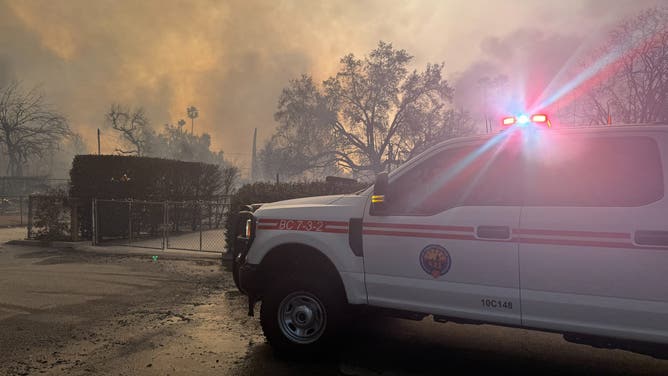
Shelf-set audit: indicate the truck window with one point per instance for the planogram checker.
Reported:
(430, 186)
(594, 171)
(502, 180)
(471, 175)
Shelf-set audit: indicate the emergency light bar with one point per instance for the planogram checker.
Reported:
(525, 119)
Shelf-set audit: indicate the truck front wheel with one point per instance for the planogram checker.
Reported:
(301, 316)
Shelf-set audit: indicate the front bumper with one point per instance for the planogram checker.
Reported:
(248, 275)
(250, 283)
(249, 279)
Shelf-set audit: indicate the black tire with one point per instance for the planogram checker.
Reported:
(305, 294)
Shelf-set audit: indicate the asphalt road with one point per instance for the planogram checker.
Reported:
(101, 312)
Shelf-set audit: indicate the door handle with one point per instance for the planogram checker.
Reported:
(493, 232)
(643, 237)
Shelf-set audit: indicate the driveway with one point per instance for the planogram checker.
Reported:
(107, 311)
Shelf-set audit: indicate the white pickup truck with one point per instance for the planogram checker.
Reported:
(557, 230)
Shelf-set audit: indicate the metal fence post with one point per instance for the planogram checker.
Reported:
(165, 218)
(21, 210)
(199, 214)
(29, 217)
(93, 223)
(74, 219)
(129, 222)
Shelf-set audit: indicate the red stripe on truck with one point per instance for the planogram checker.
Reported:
(551, 237)
(310, 225)
(584, 234)
(412, 226)
(419, 234)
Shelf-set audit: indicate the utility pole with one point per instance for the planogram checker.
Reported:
(484, 84)
(98, 141)
(254, 157)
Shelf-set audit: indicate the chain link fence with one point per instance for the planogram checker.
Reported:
(196, 226)
(13, 211)
(125, 222)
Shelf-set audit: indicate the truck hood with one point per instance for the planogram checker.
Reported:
(317, 200)
(342, 207)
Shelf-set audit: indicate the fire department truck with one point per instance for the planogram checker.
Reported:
(560, 230)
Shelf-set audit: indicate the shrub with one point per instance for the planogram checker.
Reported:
(51, 216)
(256, 193)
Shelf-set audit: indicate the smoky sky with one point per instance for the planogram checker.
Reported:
(528, 58)
(232, 58)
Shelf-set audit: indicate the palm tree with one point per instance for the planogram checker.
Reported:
(192, 114)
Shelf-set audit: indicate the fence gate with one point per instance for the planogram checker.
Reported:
(195, 226)
(135, 223)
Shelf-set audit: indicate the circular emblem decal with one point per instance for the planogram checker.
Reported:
(435, 260)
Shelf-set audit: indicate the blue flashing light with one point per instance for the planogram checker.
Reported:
(522, 119)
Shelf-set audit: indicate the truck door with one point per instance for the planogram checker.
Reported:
(443, 243)
(593, 237)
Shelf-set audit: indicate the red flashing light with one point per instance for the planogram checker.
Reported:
(510, 120)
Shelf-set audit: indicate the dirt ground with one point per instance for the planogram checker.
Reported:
(12, 233)
(11, 219)
(101, 312)
(97, 313)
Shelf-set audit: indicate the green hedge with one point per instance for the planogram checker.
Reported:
(139, 178)
(153, 179)
(257, 193)
(51, 216)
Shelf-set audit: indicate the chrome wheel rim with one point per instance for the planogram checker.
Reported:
(301, 317)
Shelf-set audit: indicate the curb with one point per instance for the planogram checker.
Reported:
(47, 243)
(86, 246)
(33, 243)
(167, 253)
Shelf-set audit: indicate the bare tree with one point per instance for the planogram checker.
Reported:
(57, 162)
(172, 142)
(416, 138)
(133, 126)
(28, 127)
(303, 139)
(636, 87)
(490, 88)
(373, 113)
(230, 175)
(375, 99)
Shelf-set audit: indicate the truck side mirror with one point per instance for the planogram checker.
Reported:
(379, 196)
